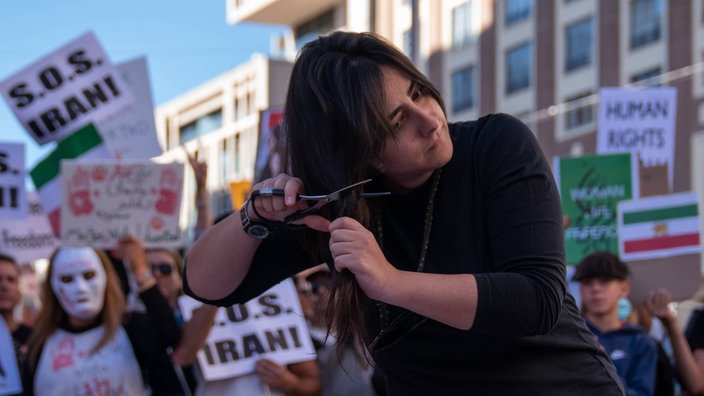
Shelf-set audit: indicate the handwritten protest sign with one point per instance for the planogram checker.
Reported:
(641, 121)
(131, 134)
(102, 201)
(30, 238)
(590, 189)
(65, 90)
(271, 325)
(12, 192)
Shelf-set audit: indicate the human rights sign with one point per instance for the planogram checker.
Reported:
(639, 121)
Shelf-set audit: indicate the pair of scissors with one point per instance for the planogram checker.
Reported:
(322, 200)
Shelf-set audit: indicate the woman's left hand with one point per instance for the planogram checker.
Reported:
(354, 248)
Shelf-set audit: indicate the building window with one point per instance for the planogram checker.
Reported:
(237, 153)
(517, 10)
(201, 126)
(580, 111)
(238, 109)
(225, 161)
(518, 68)
(250, 108)
(167, 134)
(462, 25)
(646, 17)
(408, 43)
(578, 44)
(463, 89)
(644, 77)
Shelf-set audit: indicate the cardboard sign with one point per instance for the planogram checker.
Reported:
(590, 189)
(12, 191)
(661, 243)
(65, 90)
(657, 227)
(103, 201)
(268, 163)
(132, 133)
(640, 121)
(271, 325)
(30, 238)
(84, 144)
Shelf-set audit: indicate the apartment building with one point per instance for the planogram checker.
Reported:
(542, 60)
(219, 122)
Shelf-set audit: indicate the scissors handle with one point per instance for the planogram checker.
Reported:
(322, 199)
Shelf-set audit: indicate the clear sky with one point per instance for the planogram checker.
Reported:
(186, 43)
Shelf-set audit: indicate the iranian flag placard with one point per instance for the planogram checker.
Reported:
(83, 144)
(661, 226)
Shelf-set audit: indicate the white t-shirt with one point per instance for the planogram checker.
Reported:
(66, 367)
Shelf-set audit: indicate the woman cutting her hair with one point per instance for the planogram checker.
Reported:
(455, 282)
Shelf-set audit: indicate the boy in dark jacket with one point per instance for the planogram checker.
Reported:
(603, 279)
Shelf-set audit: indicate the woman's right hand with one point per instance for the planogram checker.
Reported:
(277, 208)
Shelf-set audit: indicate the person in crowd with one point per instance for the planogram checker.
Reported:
(29, 286)
(689, 373)
(10, 297)
(166, 266)
(345, 375)
(603, 280)
(455, 282)
(83, 341)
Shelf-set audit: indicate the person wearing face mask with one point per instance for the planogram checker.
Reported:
(83, 343)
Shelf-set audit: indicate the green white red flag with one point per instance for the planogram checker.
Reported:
(661, 226)
(85, 143)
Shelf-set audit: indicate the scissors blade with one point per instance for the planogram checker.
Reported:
(335, 195)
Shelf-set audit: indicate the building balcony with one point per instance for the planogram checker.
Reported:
(278, 12)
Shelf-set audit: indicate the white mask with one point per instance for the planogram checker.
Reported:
(78, 281)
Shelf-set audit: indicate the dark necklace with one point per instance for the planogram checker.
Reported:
(400, 325)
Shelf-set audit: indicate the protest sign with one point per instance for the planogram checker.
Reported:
(271, 325)
(10, 382)
(12, 191)
(30, 238)
(661, 242)
(267, 163)
(662, 226)
(103, 201)
(65, 90)
(641, 121)
(590, 188)
(85, 143)
(131, 134)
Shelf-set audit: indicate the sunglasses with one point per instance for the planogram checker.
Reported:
(162, 268)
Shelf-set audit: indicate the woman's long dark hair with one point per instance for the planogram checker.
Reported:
(335, 124)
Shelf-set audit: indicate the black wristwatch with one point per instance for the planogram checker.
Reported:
(257, 230)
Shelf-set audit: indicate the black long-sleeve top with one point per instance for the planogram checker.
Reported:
(498, 216)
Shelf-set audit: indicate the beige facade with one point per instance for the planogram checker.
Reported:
(219, 122)
(542, 60)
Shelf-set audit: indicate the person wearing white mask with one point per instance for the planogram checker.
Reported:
(83, 342)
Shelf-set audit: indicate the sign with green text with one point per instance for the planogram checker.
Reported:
(590, 188)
